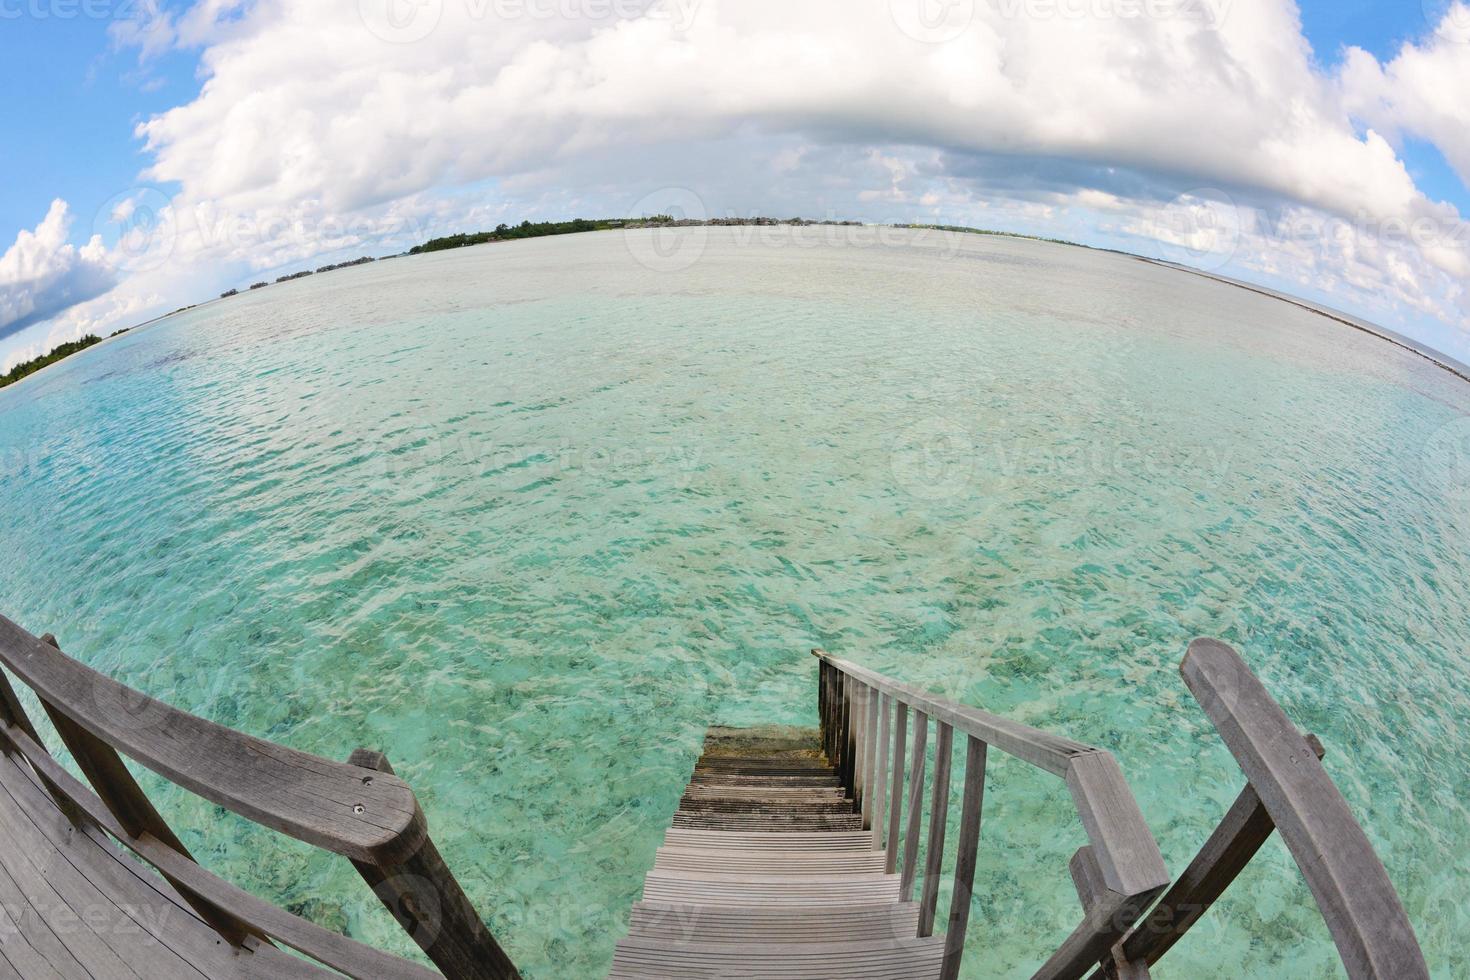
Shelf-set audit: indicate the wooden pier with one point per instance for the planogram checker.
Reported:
(792, 853)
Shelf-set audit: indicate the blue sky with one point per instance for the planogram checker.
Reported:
(299, 136)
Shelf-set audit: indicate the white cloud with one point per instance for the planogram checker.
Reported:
(42, 274)
(315, 132)
(1424, 91)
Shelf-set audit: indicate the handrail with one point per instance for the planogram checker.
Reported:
(358, 809)
(312, 799)
(1130, 872)
(1044, 750)
(1287, 789)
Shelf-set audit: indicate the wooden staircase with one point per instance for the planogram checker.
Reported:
(768, 872)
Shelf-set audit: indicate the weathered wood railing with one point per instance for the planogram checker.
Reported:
(865, 724)
(1119, 873)
(357, 809)
(1287, 789)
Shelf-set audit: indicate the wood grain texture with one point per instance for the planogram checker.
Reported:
(754, 901)
(917, 762)
(967, 853)
(938, 817)
(304, 796)
(1042, 749)
(1363, 913)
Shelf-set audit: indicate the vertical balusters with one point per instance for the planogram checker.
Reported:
(916, 808)
(895, 797)
(938, 815)
(871, 788)
(845, 738)
(969, 849)
(880, 772)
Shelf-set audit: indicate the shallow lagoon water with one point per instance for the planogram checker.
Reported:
(529, 517)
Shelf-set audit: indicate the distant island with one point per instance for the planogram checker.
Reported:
(527, 229)
(302, 274)
(56, 353)
(538, 229)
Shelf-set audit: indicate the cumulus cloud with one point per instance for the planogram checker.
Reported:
(42, 275)
(1205, 128)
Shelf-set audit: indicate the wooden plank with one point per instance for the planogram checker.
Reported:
(967, 852)
(770, 890)
(878, 959)
(351, 958)
(1042, 749)
(747, 924)
(860, 746)
(12, 712)
(938, 817)
(1126, 850)
(1373, 934)
(1240, 834)
(120, 792)
(425, 898)
(307, 797)
(880, 774)
(1089, 944)
(895, 796)
(871, 788)
(1087, 878)
(916, 806)
(104, 926)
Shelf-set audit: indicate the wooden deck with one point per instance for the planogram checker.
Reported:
(768, 872)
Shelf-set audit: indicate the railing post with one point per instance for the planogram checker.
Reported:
(848, 747)
(426, 900)
(938, 815)
(122, 795)
(880, 774)
(895, 797)
(859, 725)
(916, 808)
(13, 713)
(1240, 834)
(969, 849)
(870, 755)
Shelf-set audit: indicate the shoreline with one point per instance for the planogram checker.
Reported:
(1438, 358)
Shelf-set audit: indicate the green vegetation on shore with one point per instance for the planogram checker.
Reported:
(35, 364)
(525, 229)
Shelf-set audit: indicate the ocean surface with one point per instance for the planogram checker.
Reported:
(528, 517)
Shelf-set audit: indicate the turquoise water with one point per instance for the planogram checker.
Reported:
(528, 517)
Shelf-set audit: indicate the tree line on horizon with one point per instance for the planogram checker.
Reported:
(55, 354)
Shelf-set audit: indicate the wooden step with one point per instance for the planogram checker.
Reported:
(768, 873)
(820, 779)
(755, 822)
(764, 791)
(692, 887)
(748, 861)
(739, 924)
(771, 841)
(910, 959)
